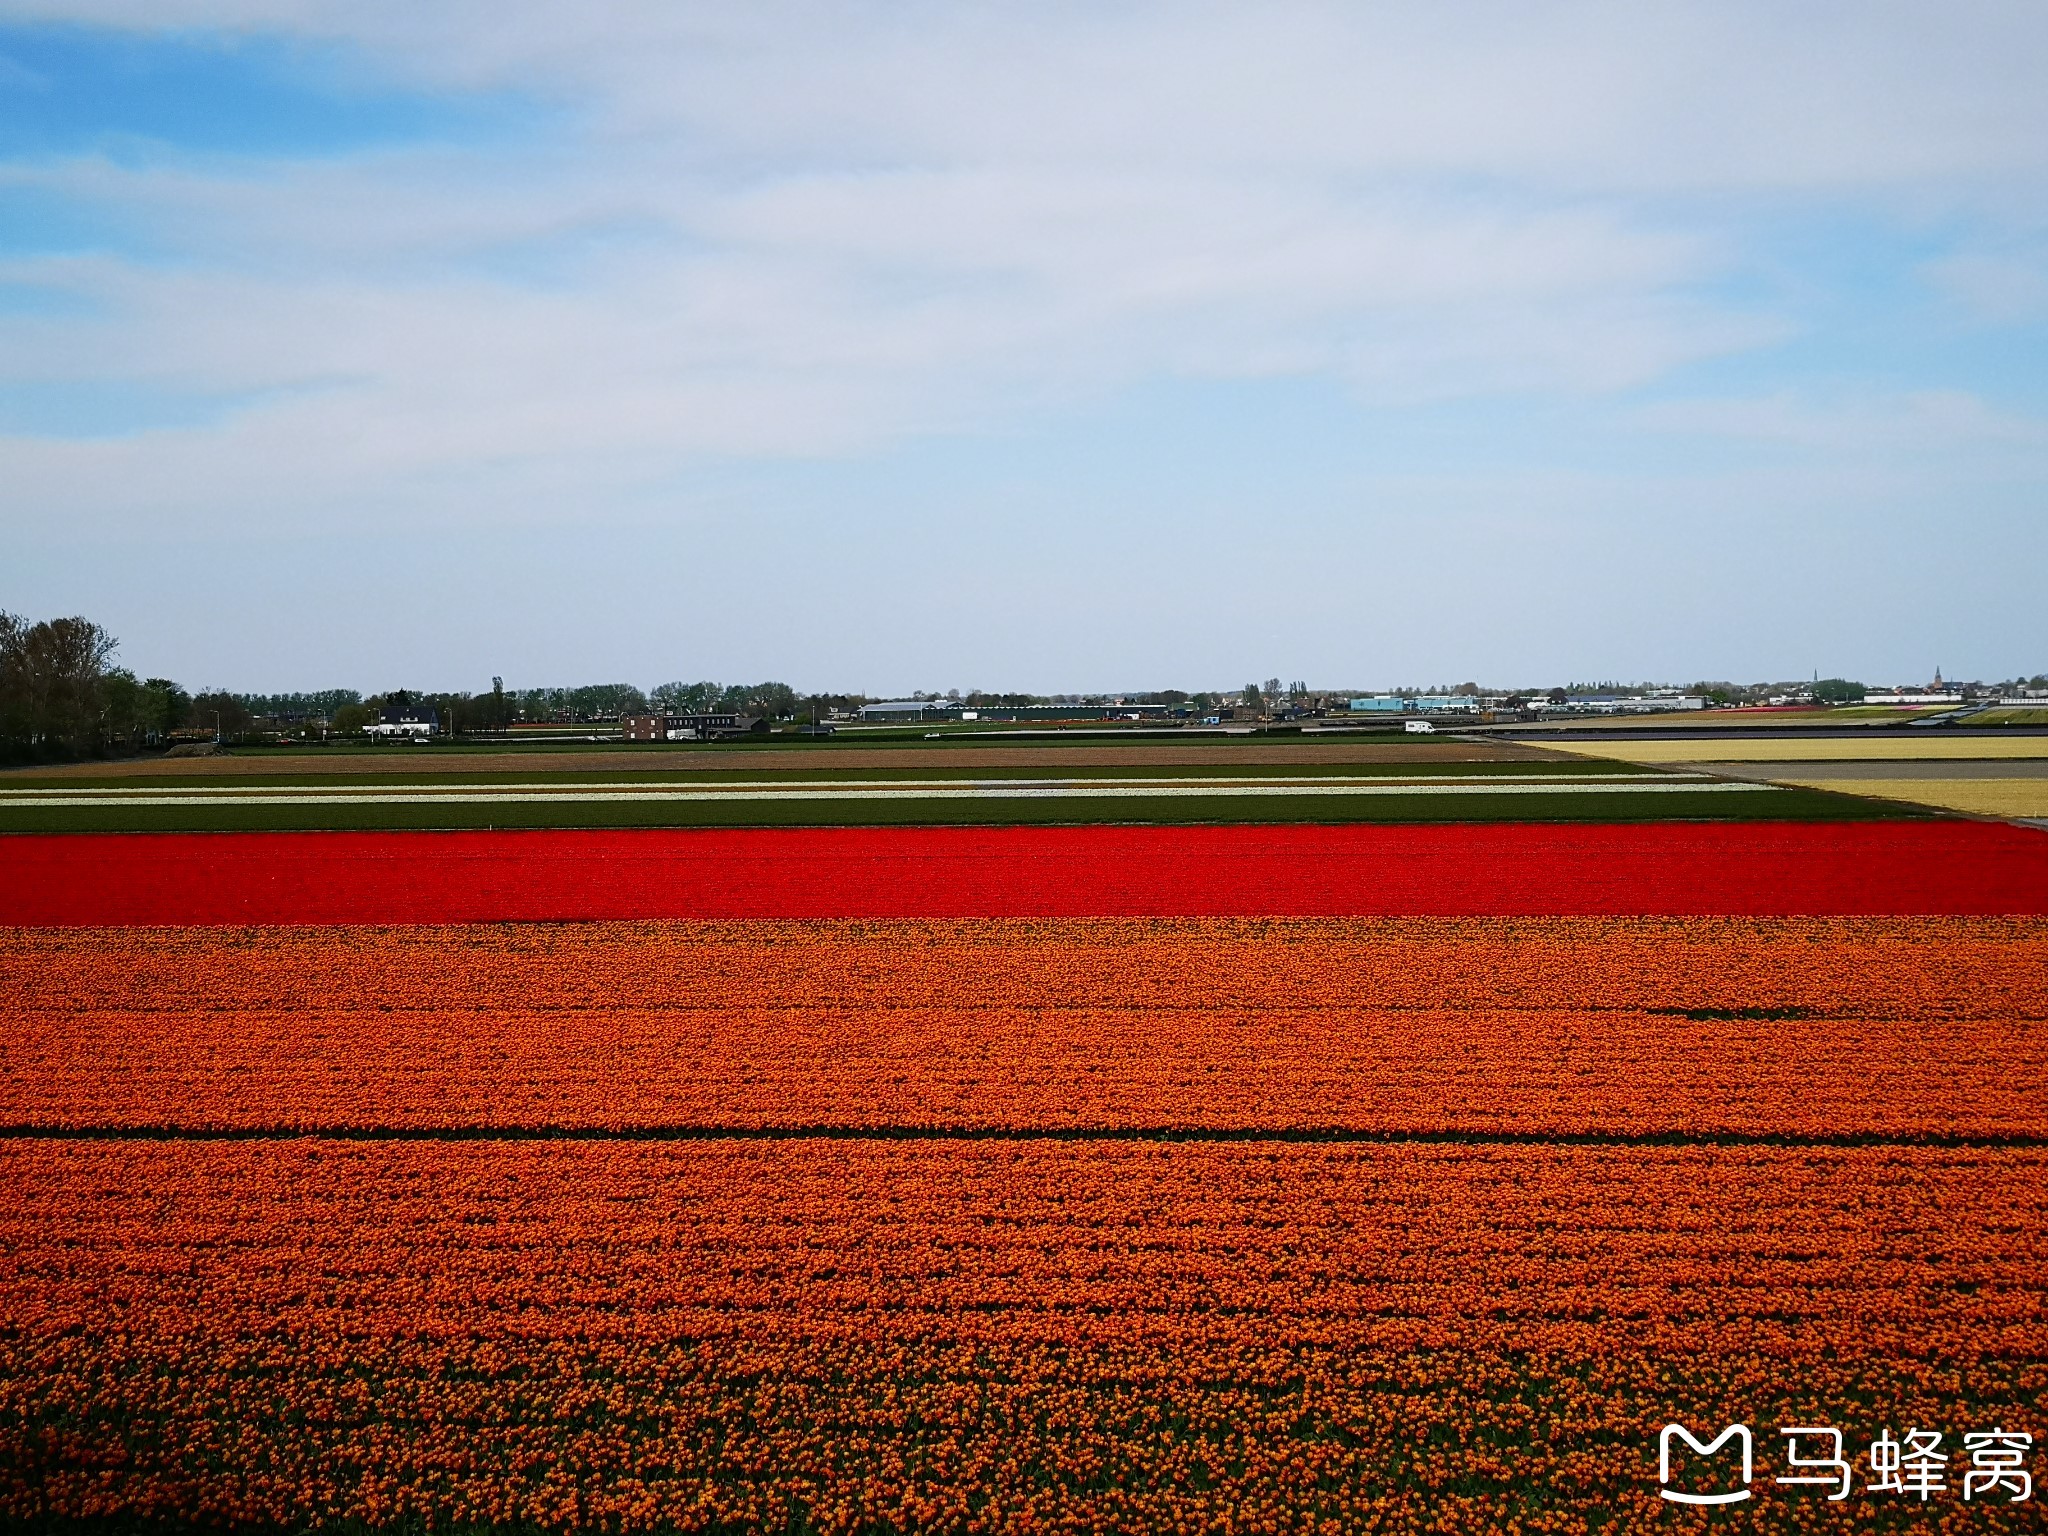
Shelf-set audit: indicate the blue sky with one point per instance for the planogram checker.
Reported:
(1047, 347)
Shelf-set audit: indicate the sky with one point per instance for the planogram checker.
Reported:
(1047, 347)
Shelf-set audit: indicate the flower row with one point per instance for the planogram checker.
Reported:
(989, 1336)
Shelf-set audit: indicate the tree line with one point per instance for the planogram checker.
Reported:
(343, 711)
(60, 697)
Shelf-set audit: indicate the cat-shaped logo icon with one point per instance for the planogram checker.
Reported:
(1680, 1432)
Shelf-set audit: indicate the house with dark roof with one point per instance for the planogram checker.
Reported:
(414, 720)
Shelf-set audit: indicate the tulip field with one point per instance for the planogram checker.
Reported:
(1024, 1180)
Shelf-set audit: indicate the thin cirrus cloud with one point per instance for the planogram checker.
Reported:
(291, 264)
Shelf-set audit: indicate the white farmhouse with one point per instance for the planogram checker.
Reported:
(415, 720)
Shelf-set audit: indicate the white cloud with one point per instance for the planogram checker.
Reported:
(809, 229)
(798, 315)
(1741, 92)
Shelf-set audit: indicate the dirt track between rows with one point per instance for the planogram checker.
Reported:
(1259, 754)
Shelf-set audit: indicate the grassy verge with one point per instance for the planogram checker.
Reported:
(1713, 722)
(931, 736)
(1763, 805)
(450, 773)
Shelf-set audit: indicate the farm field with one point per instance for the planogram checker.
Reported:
(937, 791)
(2024, 796)
(782, 760)
(1398, 1178)
(1750, 719)
(2010, 787)
(1541, 1027)
(896, 768)
(1886, 747)
(1863, 868)
(987, 1336)
(2004, 776)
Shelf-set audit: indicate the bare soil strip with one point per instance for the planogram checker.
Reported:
(715, 760)
(1088, 789)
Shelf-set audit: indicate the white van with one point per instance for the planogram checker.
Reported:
(1421, 728)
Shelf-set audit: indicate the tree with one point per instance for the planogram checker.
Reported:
(602, 701)
(301, 709)
(220, 711)
(773, 701)
(53, 678)
(168, 705)
(769, 701)
(130, 711)
(687, 698)
(1838, 690)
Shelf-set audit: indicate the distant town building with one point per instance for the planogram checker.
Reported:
(1936, 692)
(912, 711)
(1421, 704)
(702, 727)
(908, 711)
(1625, 703)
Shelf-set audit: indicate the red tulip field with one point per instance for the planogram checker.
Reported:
(1169, 1185)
